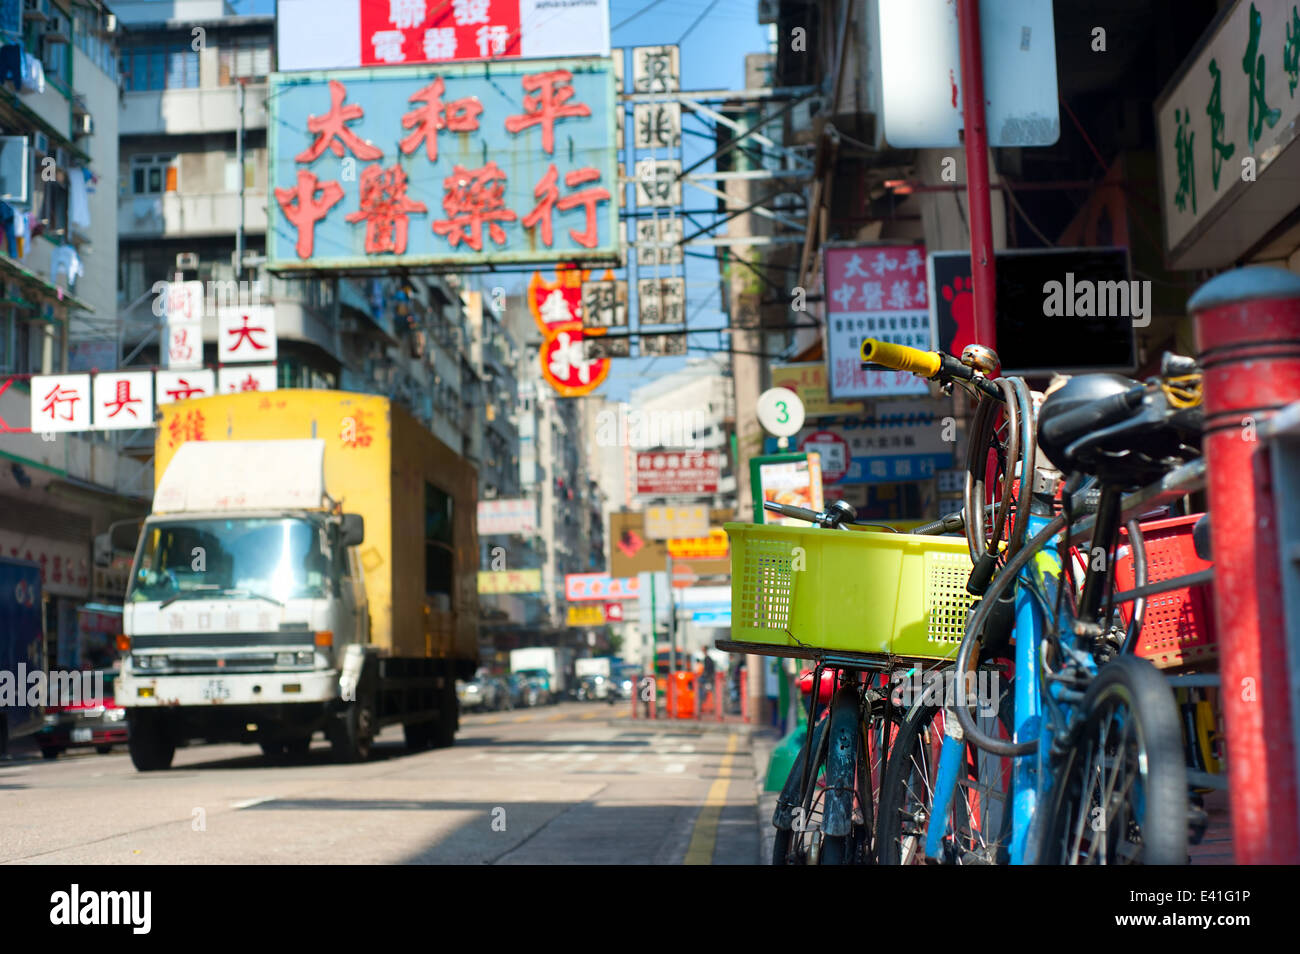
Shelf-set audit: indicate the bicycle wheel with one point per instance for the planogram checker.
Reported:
(800, 810)
(979, 817)
(1121, 791)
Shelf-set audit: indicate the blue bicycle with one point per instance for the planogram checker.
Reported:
(1087, 766)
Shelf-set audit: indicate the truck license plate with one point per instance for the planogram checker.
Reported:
(216, 690)
(83, 735)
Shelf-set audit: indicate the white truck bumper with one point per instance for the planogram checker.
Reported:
(242, 689)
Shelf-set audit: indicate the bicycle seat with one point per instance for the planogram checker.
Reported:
(1114, 428)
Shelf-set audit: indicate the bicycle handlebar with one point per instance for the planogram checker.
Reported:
(901, 357)
(788, 510)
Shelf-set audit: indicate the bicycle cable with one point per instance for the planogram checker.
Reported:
(971, 732)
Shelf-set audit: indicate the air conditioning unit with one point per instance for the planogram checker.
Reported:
(768, 10)
(36, 10)
(57, 29)
(85, 125)
(187, 261)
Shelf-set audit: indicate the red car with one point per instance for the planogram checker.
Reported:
(98, 723)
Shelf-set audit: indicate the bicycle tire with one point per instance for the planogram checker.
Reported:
(1158, 818)
(910, 770)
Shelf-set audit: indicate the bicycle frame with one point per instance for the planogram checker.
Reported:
(1031, 776)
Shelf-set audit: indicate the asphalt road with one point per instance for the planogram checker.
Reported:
(572, 783)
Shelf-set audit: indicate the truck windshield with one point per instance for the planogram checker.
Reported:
(275, 558)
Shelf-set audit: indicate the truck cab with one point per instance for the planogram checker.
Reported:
(240, 615)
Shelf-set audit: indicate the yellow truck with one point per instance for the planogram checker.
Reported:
(308, 565)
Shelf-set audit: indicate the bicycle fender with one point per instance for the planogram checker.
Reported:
(788, 801)
(841, 764)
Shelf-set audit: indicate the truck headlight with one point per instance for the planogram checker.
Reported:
(284, 659)
(306, 658)
(142, 662)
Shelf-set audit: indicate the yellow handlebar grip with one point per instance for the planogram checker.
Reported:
(901, 357)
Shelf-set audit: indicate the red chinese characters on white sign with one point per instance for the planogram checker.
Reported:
(61, 402)
(678, 472)
(184, 344)
(874, 292)
(246, 334)
(172, 386)
(432, 31)
(123, 400)
(235, 380)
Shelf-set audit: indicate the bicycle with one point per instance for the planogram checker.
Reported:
(1095, 767)
(826, 811)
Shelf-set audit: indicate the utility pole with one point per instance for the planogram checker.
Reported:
(977, 173)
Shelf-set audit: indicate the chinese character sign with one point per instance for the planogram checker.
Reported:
(184, 344)
(874, 292)
(172, 386)
(246, 378)
(678, 472)
(887, 448)
(343, 34)
(557, 308)
(246, 334)
(1222, 126)
(468, 164)
(123, 400)
(61, 402)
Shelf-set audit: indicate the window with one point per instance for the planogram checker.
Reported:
(173, 66)
(439, 555)
(244, 57)
(15, 342)
(153, 175)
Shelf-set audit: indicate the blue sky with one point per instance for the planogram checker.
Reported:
(712, 57)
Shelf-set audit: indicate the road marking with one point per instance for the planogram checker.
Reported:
(522, 719)
(591, 715)
(250, 802)
(705, 836)
(557, 717)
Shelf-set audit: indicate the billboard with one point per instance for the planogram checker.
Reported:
(507, 516)
(886, 448)
(631, 551)
(471, 164)
(580, 587)
(664, 473)
(342, 34)
(510, 581)
(874, 292)
(1030, 339)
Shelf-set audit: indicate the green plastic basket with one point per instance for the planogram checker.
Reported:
(890, 594)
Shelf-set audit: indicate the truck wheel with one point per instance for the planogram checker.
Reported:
(353, 733)
(272, 750)
(444, 730)
(151, 749)
(297, 748)
(419, 735)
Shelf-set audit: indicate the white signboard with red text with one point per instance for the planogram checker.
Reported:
(173, 386)
(874, 291)
(342, 34)
(598, 586)
(246, 334)
(678, 472)
(61, 402)
(123, 400)
(246, 378)
(184, 345)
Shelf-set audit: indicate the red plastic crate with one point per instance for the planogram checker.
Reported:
(1178, 628)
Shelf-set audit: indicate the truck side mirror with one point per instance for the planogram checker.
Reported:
(353, 532)
(103, 549)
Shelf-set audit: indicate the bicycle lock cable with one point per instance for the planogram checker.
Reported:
(971, 732)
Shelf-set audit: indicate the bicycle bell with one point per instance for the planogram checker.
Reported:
(980, 357)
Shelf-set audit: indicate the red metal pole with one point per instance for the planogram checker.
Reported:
(1248, 339)
(977, 172)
